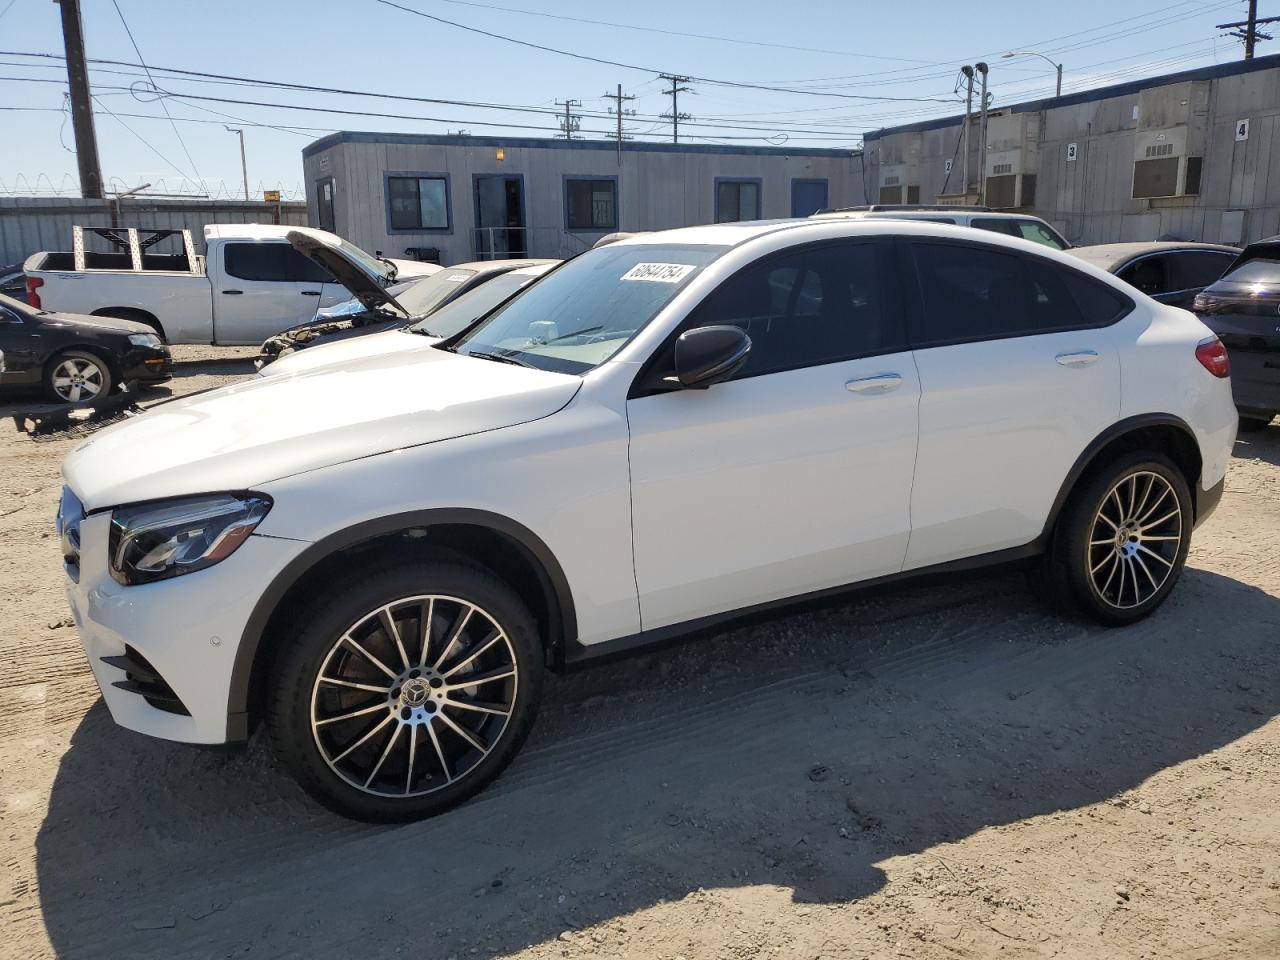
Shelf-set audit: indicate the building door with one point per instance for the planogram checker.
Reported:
(500, 228)
(808, 197)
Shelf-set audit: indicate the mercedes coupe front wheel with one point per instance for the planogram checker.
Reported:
(408, 692)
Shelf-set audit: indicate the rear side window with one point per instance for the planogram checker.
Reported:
(811, 306)
(1026, 229)
(977, 293)
(1150, 275)
(1194, 269)
(271, 261)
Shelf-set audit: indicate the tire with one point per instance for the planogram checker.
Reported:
(411, 748)
(1091, 569)
(78, 377)
(1253, 424)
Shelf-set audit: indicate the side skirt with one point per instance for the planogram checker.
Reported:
(579, 654)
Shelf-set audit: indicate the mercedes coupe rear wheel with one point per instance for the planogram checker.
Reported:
(1122, 541)
(408, 693)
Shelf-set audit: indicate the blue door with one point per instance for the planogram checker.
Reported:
(808, 197)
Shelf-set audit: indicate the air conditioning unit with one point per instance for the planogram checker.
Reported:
(1013, 152)
(1169, 142)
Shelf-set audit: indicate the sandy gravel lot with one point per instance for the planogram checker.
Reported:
(933, 771)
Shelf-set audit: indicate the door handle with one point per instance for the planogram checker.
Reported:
(880, 383)
(233, 292)
(1080, 359)
(311, 293)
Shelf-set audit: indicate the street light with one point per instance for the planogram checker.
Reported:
(1032, 53)
(244, 167)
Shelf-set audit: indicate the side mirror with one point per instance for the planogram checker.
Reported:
(707, 355)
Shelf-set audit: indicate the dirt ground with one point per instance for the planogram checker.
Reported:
(933, 771)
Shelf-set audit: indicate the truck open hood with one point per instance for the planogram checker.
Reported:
(264, 429)
(347, 264)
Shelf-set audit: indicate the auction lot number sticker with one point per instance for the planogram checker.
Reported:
(659, 272)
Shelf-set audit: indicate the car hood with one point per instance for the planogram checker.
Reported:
(325, 249)
(333, 353)
(96, 324)
(250, 433)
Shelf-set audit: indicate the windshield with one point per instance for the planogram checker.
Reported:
(423, 296)
(580, 315)
(456, 315)
(1258, 270)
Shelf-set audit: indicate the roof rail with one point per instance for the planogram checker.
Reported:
(883, 207)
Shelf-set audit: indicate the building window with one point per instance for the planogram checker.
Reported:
(418, 202)
(590, 204)
(324, 203)
(890, 194)
(737, 200)
(913, 194)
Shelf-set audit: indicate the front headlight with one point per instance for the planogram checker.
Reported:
(156, 541)
(144, 339)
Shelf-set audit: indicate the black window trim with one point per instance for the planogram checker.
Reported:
(914, 300)
(590, 178)
(640, 385)
(322, 275)
(715, 197)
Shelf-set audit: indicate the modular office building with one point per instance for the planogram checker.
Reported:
(459, 198)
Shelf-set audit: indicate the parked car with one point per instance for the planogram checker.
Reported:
(1243, 309)
(250, 285)
(374, 308)
(980, 218)
(1168, 271)
(76, 359)
(446, 321)
(378, 558)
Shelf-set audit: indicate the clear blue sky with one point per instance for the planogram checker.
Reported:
(876, 50)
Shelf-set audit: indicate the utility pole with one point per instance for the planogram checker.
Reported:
(1247, 30)
(571, 121)
(244, 167)
(964, 133)
(618, 111)
(982, 134)
(81, 101)
(675, 115)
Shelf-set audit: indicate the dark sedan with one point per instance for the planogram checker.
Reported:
(1170, 271)
(1243, 309)
(76, 359)
(366, 313)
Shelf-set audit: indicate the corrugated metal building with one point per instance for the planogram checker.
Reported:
(1192, 155)
(480, 197)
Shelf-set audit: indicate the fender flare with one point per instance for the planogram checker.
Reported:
(254, 630)
(1098, 443)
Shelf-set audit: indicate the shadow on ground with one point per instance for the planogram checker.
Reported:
(799, 753)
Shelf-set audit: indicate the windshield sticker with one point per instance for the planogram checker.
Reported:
(456, 278)
(659, 272)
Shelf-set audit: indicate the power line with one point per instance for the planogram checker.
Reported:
(676, 116)
(142, 60)
(632, 66)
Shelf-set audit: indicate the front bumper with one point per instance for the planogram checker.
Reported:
(146, 364)
(186, 630)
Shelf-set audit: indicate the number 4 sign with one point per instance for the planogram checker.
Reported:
(1242, 129)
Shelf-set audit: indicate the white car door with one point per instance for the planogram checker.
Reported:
(1018, 373)
(794, 476)
(261, 288)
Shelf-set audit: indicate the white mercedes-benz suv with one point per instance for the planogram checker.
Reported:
(377, 559)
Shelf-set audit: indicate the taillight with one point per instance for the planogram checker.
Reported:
(33, 298)
(1213, 357)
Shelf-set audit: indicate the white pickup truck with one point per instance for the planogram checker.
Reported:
(250, 285)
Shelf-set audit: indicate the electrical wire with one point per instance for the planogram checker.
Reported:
(142, 60)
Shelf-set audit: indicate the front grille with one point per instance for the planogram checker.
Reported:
(70, 513)
(142, 678)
